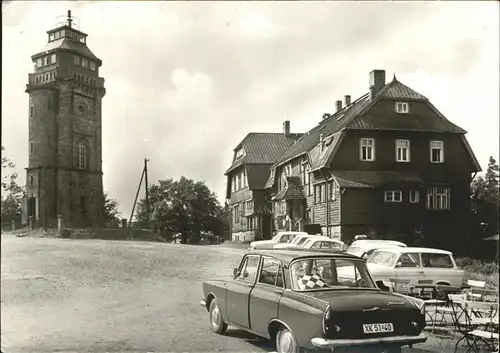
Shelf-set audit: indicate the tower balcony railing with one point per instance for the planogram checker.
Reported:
(50, 76)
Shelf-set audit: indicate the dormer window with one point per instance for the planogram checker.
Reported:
(57, 34)
(46, 60)
(82, 39)
(51, 37)
(53, 59)
(39, 62)
(402, 108)
(84, 62)
(239, 153)
(92, 66)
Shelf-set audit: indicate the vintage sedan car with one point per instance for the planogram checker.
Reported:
(405, 267)
(298, 241)
(280, 237)
(363, 248)
(300, 301)
(327, 244)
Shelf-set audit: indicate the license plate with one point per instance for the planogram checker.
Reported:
(377, 328)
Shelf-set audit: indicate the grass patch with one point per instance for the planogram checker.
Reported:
(478, 270)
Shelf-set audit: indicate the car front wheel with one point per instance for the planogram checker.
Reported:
(285, 342)
(217, 323)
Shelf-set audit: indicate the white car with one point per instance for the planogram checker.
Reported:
(364, 248)
(280, 237)
(297, 241)
(320, 243)
(408, 266)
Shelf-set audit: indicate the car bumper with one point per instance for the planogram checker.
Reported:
(398, 340)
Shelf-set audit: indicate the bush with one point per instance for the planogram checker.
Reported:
(478, 270)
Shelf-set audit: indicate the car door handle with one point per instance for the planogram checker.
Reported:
(278, 291)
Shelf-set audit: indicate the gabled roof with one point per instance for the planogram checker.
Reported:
(374, 178)
(292, 190)
(68, 44)
(359, 115)
(263, 148)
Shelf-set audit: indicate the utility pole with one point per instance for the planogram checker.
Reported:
(147, 189)
(135, 201)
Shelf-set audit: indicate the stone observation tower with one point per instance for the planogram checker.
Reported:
(64, 176)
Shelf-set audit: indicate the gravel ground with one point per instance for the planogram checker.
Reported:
(61, 295)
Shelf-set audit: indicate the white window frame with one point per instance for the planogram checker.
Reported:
(57, 34)
(85, 62)
(239, 153)
(53, 58)
(402, 107)
(438, 198)
(401, 147)
(368, 144)
(414, 196)
(288, 170)
(92, 65)
(436, 145)
(82, 156)
(390, 196)
(244, 177)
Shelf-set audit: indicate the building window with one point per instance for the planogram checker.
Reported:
(31, 147)
(76, 59)
(244, 176)
(308, 215)
(438, 198)
(437, 153)
(249, 206)
(414, 196)
(82, 39)
(39, 62)
(282, 207)
(32, 182)
(31, 111)
(82, 156)
(402, 108)
(46, 60)
(288, 170)
(57, 34)
(319, 193)
(92, 66)
(51, 37)
(239, 153)
(236, 214)
(367, 149)
(331, 191)
(84, 62)
(393, 196)
(309, 183)
(53, 58)
(402, 150)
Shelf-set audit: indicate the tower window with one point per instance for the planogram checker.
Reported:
(31, 180)
(31, 147)
(84, 62)
(53, 58)
(76, 59)
(82, 156)
(51, 37)
(82, 39)
(46, 60)
(31, 111)
(92, 66)
(39, 62)
(57, 34)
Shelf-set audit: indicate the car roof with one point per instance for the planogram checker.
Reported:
(288, 255)
(291, 232)
(323, 238)
(369, 244)
(399, 250)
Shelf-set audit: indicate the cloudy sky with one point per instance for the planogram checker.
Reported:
(186, 81)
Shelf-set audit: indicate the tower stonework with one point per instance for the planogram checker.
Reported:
(64, 174)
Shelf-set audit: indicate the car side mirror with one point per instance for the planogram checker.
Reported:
(382, 286)
(235, 272)
(399, 264)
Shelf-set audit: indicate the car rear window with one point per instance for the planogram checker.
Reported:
(436, 260)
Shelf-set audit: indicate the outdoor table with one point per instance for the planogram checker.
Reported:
(437, 291)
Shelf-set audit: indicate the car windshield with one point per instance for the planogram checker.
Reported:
(385, 258)
(300, 241)
(307, 243)
(355, 250)
(284, 237)
(329, 273)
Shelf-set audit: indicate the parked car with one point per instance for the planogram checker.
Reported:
(298, 300)
(280, 237)
(409, 266)
(363, 248)
(297, 241)
(323, 244)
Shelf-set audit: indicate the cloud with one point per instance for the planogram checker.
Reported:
(186, 81)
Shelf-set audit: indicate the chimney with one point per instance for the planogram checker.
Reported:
(286, 127)
(339, 105)
(347, 100)
(377, 81)
(321, 144)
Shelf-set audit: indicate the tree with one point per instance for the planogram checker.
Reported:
(184, 207)
(12, 193)
(111, 213)
(485, 199)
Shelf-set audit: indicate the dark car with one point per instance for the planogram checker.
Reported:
(313, 301)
